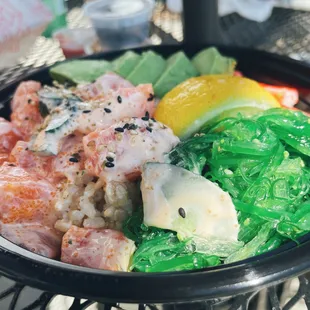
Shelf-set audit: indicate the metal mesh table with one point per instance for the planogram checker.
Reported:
(286, 32)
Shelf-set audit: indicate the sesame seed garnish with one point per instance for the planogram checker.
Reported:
(26, 149)
(77, 156)
(153, 119)
(107, 110)
(146, 117)
(151, 97)
(73, 160)
(149, 129)
(29, 101)
(119, 129)
(110, 159)
(132, 127)
(119, 99)
(86, 111)
(11, 165)
(26, 118)
(109, 164)
(182, 212)
(126, 126)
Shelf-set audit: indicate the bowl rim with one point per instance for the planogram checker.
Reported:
(107, 286)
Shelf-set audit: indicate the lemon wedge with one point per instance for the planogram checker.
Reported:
(205, 99)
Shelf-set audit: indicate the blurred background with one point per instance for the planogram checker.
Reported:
(36, 33)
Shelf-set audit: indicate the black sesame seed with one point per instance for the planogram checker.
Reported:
(26, 118)
(107, 110)
(109, 103)
(110, 159)
(126, 126)
(109, 164)
(86, 111)
(149, 129)
(77, 156)
(29, 101)
(146, 117)
(26, 149)
(119, 129)
(151, 97)
(11, 165)
(153, 119)
(119, 99)
(70, 241)
(73, 160)
(132, 127)
(182, 212)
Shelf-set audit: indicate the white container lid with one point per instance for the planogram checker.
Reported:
(118, 13)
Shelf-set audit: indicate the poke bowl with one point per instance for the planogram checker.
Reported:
(157, 174)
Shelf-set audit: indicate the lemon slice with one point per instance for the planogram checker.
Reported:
(205, 99)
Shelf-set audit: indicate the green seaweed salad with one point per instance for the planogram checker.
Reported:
(263, 163)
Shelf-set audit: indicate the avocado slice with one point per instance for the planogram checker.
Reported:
(126, 63)
(179, 68)
(148, 70)
(210, 61)
(79, 71)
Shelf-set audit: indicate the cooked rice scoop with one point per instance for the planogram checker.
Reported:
(96, 205)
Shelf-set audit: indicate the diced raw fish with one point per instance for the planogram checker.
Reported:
(66, 164)
(9, 135)
(27, 215)
(119, 152)
(85, 117)
(25, 108)
(102, 86)
(97, 248)
(30, 161)
(71, 158)
(125, 102)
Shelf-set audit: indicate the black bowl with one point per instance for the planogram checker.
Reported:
(226, 280)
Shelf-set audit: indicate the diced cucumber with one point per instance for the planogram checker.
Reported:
(179, 68)
(79, 71)
(126, 63)
(148, 70)
(210, 61)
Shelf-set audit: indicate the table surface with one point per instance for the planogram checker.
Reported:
(286, 32)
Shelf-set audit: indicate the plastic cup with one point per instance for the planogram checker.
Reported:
(120, 23)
